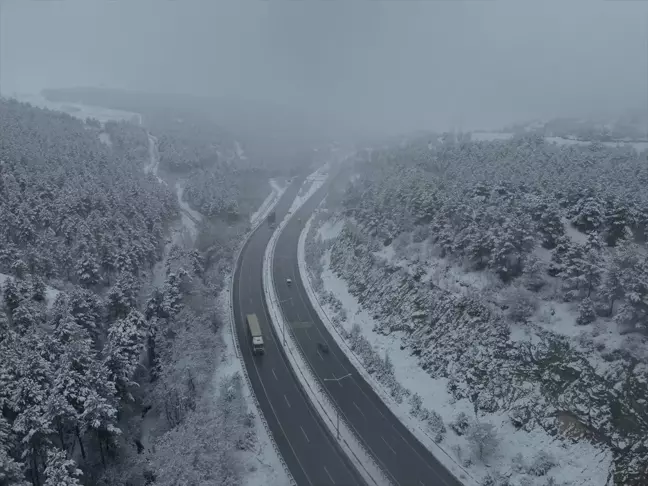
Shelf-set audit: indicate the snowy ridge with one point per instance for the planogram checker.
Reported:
(399, 411)
(352, 446)
(237, 348)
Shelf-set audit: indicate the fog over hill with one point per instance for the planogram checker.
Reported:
(390, 66)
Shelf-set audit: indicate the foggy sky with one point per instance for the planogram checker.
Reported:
(389, 65)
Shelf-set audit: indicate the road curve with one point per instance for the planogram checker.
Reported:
(405, 460)
(309, 451)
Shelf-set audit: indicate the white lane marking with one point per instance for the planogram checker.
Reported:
(274, 374)
(251, 302)
(304, 432)
(256, 369)
(390, 447)
(361, 412)
(286, 398)
(339, 382)
(321, 357)
(329, 475)
(307, 335)
(421, 483)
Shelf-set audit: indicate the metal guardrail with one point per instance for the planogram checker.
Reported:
(317, 396)
(305, 275)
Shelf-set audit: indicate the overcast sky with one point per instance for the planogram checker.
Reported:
(395, 65)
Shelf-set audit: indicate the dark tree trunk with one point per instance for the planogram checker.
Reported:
(78, 435)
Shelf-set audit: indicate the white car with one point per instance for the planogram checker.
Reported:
(288, 282)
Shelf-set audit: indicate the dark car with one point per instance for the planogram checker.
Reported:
(323, 347)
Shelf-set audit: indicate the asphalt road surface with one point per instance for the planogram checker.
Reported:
(402, 456)
(310, 452)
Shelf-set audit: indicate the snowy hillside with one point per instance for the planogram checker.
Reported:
(104, 379)
(513, 274)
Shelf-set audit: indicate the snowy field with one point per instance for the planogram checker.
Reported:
(578, 463)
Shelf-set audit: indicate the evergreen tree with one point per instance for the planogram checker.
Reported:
(11, 471)
(61, 471)
(126, 340)
(586, 312)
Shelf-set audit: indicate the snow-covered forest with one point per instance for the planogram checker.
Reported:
(515, 273)
(109, 328)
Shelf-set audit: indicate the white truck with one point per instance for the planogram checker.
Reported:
(254, 332)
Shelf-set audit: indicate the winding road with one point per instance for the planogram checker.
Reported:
(405, 460)
(311, 454)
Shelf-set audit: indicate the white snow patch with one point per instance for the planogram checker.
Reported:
(268, 203)
(154, 159)
(314, 182)
(575, 235)
(330, 230)
(190, 217)
(105, 138)
(50, 292)
(637, 146)
(490, 136)
(80, 110)
(239, 150)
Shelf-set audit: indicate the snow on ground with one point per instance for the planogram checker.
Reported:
(268, 203)
(154, 159)
(105, 138)
(638, 146)
(190, 217)
(262, 466)
(50, 292)
(580, 463)
(239, 150)
(489, 136)
(330, 230)
(313, 182)
(79, 110)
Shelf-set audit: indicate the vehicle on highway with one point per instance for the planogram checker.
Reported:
(323, 347)
(288, 282)
(272, 219)
(254, 332)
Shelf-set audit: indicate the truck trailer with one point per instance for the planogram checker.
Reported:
(254, 332)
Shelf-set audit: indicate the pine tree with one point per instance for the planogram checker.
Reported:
(126, 339)
(11, 471)
(586, 312)
(551, 227)
(589, 215)
(87, 270)
(617, 222)
(122, 297)
(61, 471)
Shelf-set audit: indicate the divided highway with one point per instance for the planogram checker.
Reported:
(312, 455)
(405, 460)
